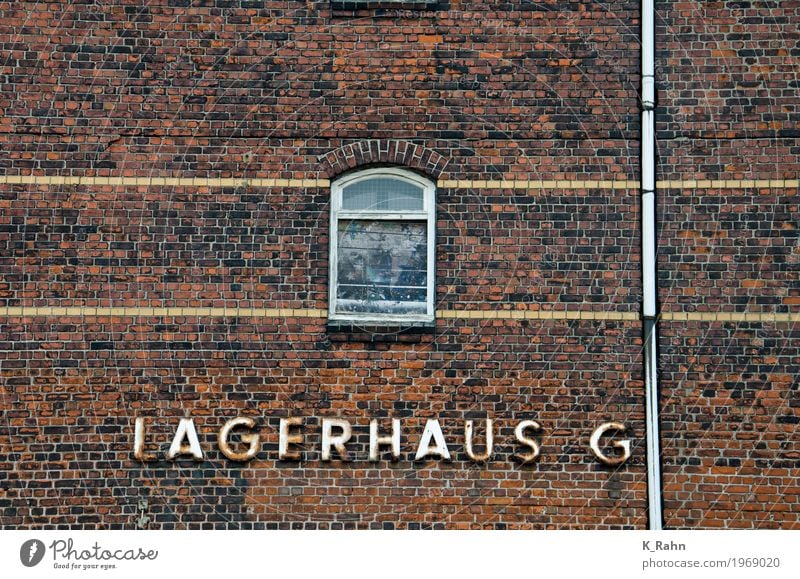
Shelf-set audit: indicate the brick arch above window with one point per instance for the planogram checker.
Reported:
(377, 151)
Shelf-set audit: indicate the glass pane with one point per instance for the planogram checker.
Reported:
(382, 194)
(382, 267)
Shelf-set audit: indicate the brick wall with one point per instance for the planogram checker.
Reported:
(205, 138)
(729, 383)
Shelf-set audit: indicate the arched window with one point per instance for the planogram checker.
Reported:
(382, 247)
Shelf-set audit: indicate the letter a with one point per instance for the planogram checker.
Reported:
(432, 430)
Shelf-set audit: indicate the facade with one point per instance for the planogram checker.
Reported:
(240, 239)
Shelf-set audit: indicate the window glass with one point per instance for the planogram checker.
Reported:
(382, 267)
(382, 247)
(382, 194)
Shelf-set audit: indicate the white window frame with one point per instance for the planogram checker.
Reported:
(428, 215)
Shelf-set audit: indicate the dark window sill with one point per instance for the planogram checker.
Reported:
(399, 332)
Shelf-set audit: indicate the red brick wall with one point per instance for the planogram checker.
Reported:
(729, 386)
(527, 92)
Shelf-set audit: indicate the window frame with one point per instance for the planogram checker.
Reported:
(426, 215)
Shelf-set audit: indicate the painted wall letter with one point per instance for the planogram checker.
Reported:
(376, 441)
(185, 430)
(287, 437)
(139, 435)
(338, 441)
(469, 430)
(251, 438)
(519, 433)
(625, 445)
(432, 430)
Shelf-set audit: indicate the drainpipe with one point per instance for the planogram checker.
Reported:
(649, 283)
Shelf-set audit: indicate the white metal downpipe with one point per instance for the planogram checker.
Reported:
(649, 282)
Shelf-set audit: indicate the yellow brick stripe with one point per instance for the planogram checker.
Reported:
(625, 185)
(536, 185)
(209, 182)
(160, 312)
(172, 312)
(730, 317)
(215, 183)
(730, 184)
(535, 315)
(177, 312)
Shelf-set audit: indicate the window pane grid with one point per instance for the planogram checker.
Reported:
(382, 267)
(382, 248)
(382, 194)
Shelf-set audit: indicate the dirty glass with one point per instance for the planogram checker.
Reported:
(382, 267)
(382, 194)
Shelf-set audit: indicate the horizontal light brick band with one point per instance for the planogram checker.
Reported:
(536, 185)
(730, 317)
(171, 312)
(160, 181)
(161, 312)
(444, 184)
(535, 315)
(730, 184)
